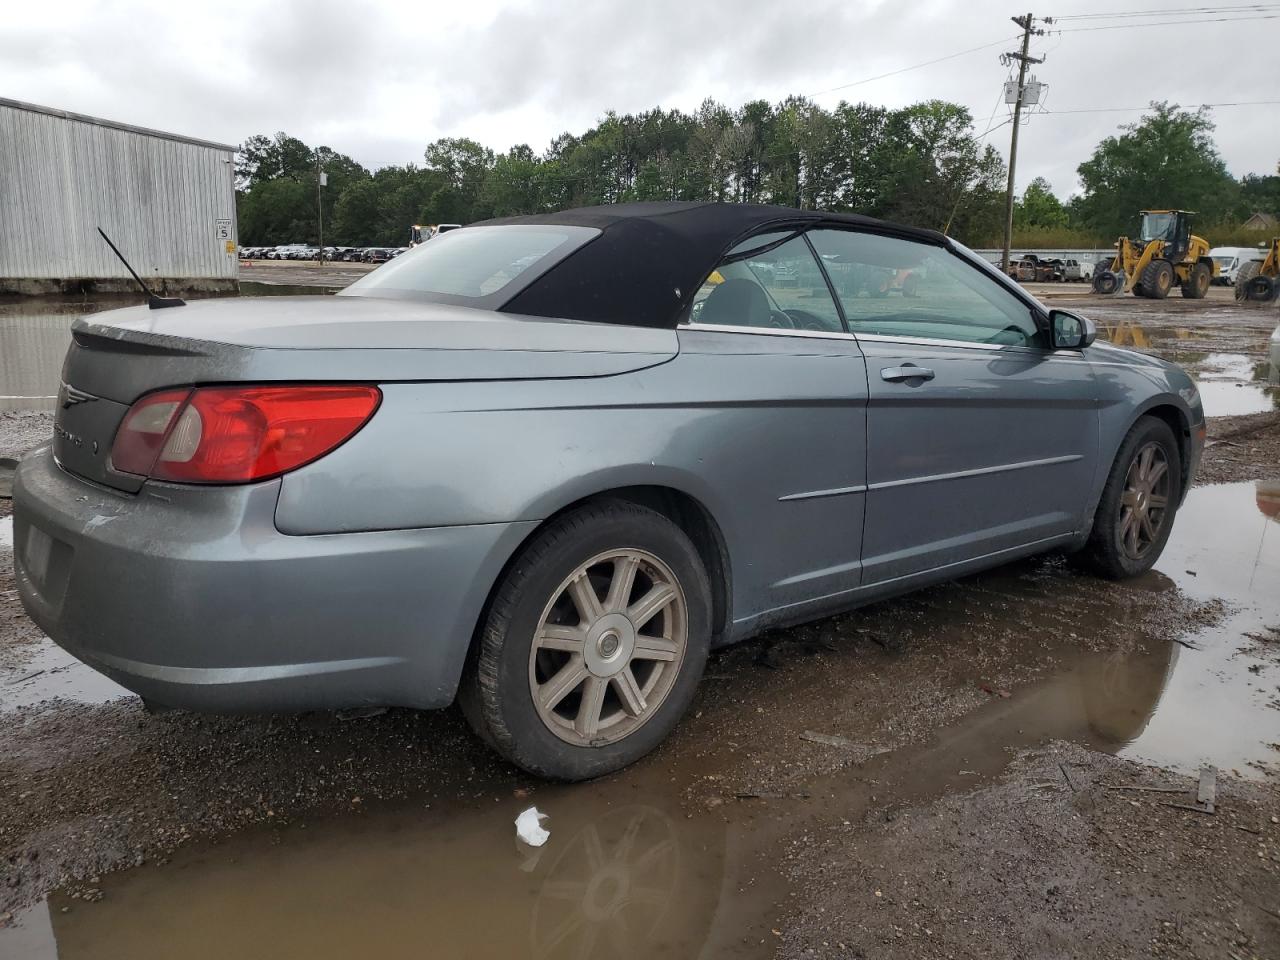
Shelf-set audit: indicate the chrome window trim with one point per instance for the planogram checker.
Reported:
(939, 342)
(878, 338)
(768, 331)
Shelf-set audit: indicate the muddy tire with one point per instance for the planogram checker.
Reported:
(592, 645)
(1138, 504)
(1247, 273)
(1199, 276)
(1260, 289)
(1157, 279)
(1104, 281)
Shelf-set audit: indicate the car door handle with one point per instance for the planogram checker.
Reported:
(908, 371)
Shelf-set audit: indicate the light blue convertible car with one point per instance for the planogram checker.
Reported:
(543, 465)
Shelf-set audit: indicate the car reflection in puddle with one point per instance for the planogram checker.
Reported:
(616, 879)
(632, 869)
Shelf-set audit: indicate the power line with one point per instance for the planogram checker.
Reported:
(1189, 106)
(915, 66)
(1165, 11)
(1163, 23)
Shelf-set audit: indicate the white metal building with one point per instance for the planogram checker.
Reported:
(168, 203)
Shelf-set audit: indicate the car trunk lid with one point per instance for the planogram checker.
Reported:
(118, 356)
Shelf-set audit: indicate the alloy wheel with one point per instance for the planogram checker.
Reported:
(1144, 504)
(608, 648)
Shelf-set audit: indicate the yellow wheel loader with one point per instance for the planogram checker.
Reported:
(1260, 279)
(1164, 255)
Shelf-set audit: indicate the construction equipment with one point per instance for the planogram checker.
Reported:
(421, 233)
(1259, 280)
(1165, 253)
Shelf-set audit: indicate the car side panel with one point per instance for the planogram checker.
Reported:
(1130, 384)
(998, 450)
(766, 432)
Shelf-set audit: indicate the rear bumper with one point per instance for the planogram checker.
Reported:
(192, 598)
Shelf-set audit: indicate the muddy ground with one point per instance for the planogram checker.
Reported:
(932, 776)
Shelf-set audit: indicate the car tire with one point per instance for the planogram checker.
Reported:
(1104, 281)
(1113, 549)
(510, 693)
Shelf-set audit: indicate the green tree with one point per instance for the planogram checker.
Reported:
(277, 211)
(263, 158)
(1259, 194)
(461, 166)
(1167, 160)
(1039, 207)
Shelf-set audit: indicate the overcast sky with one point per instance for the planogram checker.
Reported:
(378, 81)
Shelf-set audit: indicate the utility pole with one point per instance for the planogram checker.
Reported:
(1027, 23)
(320, 182)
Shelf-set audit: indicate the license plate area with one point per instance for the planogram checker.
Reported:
(44, 561)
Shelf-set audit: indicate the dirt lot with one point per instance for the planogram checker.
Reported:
(932, 776)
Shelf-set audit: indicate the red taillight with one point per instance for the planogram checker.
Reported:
(237, 434)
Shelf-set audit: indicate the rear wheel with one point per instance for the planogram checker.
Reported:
(593, 643)
(1199, 276)
(1157, 279)
(1139, 501)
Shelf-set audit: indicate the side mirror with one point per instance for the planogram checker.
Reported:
(1070, 331)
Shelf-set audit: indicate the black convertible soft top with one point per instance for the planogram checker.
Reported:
(650, 258)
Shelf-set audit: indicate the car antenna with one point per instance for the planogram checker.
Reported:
(153, 301)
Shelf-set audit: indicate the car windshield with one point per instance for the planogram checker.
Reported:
(1157, 226)
(474, 266)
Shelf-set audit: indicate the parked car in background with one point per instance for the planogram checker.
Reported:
(1073, 271)
(544, 466)
(376, 255)
(1031, 269)
(397, 251)
(1229, 261)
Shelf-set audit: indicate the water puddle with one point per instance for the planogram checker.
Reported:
(633, 869)
(1228, 398)
(622, 876)
(1227, 366)
(1232, 384)
(51, 673)
(36, 331)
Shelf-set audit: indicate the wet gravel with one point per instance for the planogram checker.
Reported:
(1048, 862)
(1242, 448)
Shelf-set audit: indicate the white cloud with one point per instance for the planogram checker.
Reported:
(380, 80)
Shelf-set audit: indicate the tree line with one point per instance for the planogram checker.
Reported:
(920, 164)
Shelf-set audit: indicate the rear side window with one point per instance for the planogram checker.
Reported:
(474, 266)
(768, 281)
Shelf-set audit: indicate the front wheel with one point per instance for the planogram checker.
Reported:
(1141, 496)
(1199, 276)
(593, 643)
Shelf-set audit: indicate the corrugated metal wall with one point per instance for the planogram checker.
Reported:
(159, 199)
